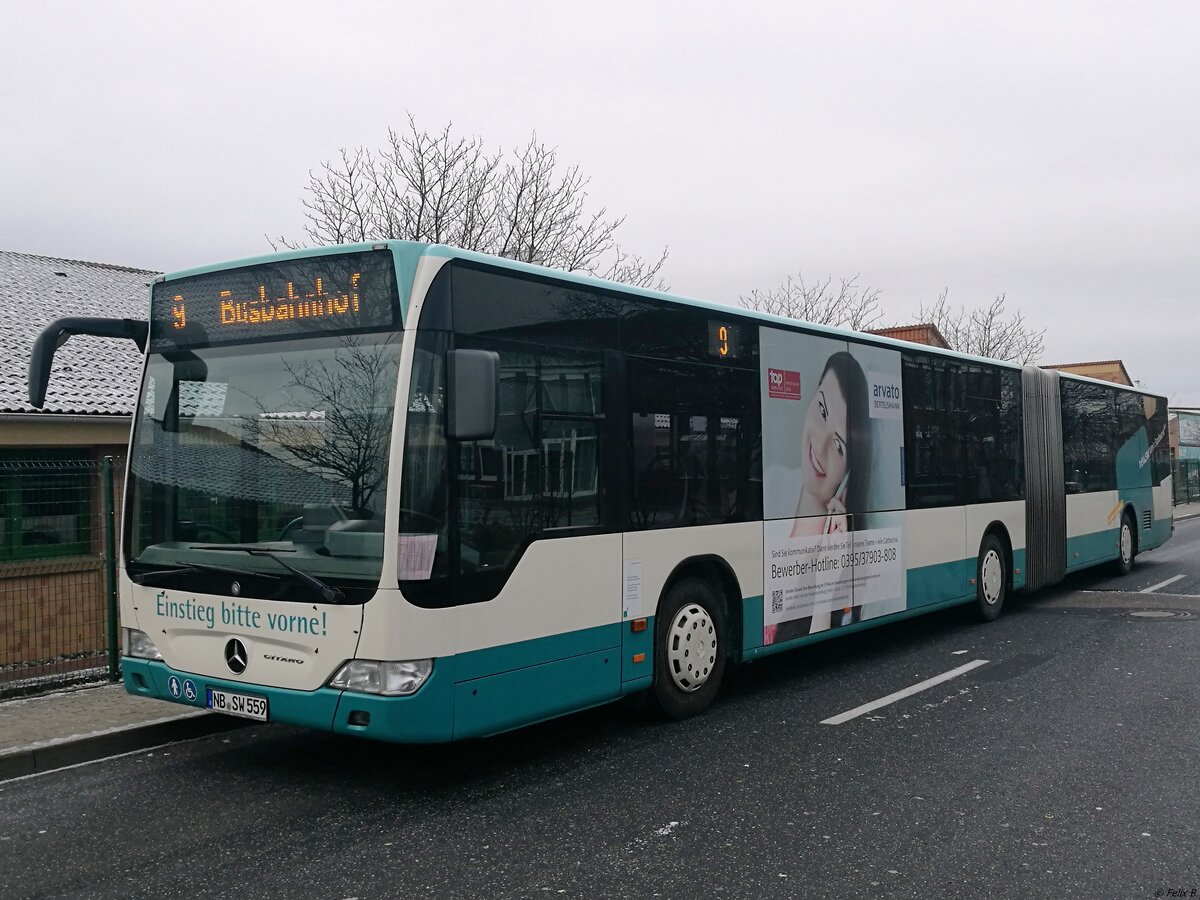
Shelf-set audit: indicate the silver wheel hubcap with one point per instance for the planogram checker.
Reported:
(992, 577)
(691, 647)
(1126, 543)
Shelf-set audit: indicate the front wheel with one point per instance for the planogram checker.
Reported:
(689, 649)
(1125, 558)
(991, 578)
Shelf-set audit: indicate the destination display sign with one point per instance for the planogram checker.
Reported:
(319, 295)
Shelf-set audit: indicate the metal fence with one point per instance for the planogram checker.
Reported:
(1187, 481)
(58, 610)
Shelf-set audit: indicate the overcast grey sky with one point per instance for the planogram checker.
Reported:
(1047, 150)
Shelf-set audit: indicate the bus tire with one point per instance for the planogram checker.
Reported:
(991, 577)
(689, 648)
(1126, 550)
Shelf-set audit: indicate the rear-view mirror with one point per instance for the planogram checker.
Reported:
(472, 390)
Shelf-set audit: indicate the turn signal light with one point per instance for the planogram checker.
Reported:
(637, 625)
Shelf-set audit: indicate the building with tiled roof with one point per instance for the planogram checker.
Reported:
(923, 333)
(94, 381)
(1105, 369)
(53, 521)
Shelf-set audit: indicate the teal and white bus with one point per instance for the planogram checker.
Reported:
(420, 494)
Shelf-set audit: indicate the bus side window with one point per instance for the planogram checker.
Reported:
(992, 433)
(692, 433)
(1089, 425)
(933, 432)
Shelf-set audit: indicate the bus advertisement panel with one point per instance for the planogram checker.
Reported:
(833, 453)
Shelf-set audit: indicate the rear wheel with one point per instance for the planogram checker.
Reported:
(991, 578)
(1127, 552)
(689, 648)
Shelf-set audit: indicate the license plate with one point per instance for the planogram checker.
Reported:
(237, 705)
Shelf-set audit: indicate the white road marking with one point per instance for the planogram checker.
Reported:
(907, 692)
(1161, 584)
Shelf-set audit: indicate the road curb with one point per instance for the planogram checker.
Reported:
(87, 748)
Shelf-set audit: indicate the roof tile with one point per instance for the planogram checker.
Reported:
(91, 376)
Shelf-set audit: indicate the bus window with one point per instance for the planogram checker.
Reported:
(1088, 426)
(692, 430)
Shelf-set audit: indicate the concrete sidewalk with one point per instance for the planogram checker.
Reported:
(38, 734)
(1187, 511)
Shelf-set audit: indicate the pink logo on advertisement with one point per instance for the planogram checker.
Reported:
(783, 385)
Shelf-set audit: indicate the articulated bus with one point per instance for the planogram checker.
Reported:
(419, 494)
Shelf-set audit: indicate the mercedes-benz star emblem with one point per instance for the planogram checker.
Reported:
(235, 656)
(236, 587)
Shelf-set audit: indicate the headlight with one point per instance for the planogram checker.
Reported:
(391, 679)
(137, 643)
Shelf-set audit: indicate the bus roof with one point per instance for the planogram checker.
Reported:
(725, 309)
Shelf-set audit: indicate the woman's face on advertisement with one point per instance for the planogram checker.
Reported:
(826, 453)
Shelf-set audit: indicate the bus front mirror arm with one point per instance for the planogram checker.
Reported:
(472, 392)
(60, 331)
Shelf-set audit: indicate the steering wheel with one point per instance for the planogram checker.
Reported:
(290, 527)
(201, 527)
(404, 514)
(416, 514)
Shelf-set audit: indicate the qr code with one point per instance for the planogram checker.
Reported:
(776, 601)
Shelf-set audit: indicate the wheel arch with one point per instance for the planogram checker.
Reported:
(1131, 512)
(717, 571)
(1000, 530)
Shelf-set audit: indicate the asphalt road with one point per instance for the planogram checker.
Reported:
(1064, 766)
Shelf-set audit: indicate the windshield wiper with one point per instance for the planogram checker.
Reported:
(328, 594)
(241, 548)
(190, 568)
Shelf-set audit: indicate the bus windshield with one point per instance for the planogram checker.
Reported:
(262, 459)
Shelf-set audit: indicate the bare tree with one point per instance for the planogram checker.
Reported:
(440, 188)
(821, 302)
(628, 268)
(345, 437)
(986, 331)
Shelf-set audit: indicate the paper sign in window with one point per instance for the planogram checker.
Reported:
(415, 559)
(633, 589)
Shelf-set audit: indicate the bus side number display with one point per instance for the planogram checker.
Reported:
(724, 340)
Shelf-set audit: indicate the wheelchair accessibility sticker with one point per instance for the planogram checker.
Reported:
(189, 689)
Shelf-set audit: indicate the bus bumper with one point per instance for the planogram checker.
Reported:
(424, 717)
